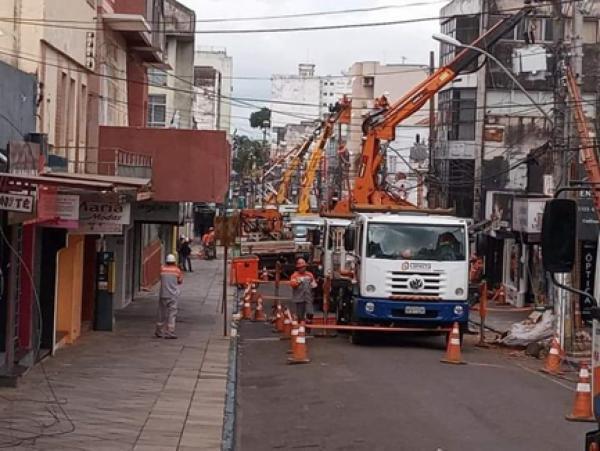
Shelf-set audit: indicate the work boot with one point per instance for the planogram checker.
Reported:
(170, 336)
(158, 334)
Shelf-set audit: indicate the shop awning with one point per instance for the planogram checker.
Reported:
(28, 182)
(141, 186)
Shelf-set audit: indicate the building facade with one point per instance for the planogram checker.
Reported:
(213, 87)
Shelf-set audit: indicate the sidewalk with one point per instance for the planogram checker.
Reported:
(127, 390)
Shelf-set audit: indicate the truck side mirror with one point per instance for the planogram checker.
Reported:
(316, 237)
(349, 239)
(559, 235)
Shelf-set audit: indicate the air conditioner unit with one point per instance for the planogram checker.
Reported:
(368, 82)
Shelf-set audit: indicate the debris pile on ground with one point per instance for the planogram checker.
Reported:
(537, 327)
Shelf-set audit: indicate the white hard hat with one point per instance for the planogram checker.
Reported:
(386, 93)
(171, 258)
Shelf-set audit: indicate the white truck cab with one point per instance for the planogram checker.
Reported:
(411, 269)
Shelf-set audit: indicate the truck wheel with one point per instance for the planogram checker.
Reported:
(358, 338)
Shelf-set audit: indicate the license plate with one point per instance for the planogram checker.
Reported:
(414, 310)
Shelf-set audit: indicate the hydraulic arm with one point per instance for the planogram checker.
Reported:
(340, 114)
(381, 125)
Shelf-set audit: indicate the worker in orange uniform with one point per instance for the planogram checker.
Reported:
(302, 283)
(170, 279)
(208, 241)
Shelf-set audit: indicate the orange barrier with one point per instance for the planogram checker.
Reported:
(582, 408)
(453, 354)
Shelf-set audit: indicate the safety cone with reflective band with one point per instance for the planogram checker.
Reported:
(582, 408)
(294, 336)
(246, 310)
(259, 312)
(453, 354)
(287, 325)
(300, 352)
(552, 364)
(278, 319)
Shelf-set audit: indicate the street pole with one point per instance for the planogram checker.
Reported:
(224, 300)
(432, 193)
(558, 145)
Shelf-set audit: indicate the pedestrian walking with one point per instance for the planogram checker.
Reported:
(170, 279)
(302, 283)
(186, 253)
(180, 261)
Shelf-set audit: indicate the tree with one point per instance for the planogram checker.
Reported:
(247, 152)
(261, 118)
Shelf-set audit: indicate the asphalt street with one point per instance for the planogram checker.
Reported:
(394, 394)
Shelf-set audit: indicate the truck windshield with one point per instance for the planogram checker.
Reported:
(416, 242)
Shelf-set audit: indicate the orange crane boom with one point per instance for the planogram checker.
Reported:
(586, 141)
(341, 114)
(381, 125)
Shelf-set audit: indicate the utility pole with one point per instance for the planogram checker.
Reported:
(560, 172)
(433, 190)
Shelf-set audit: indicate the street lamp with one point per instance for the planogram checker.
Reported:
(456, 43)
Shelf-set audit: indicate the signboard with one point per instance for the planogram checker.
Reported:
(587, 277)
(527, 214)
(499, 210)
(226, 229)
(103, 218)
(587, 226)
(20, 203)
(157, 212)
(58, 210)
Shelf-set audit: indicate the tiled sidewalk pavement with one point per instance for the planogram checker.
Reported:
(127, 390)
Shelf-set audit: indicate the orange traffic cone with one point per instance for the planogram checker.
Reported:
(246, 310)
(287, 325)
(553, 361)
(265, 274)
(278, 319)
(453, 350)
(294, 336)
(259, 312)
(300, 352)
(500, 295)
(582, 408)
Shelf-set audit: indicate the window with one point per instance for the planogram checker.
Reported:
(590, 32)
(416, 242)
(157, 110)
(463, 28)
(535, 29)
(157, 77)
(457, 113)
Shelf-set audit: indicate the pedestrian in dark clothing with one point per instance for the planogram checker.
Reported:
(186, 253)
(180, 258)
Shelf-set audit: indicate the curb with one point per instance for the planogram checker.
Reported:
(229, 414)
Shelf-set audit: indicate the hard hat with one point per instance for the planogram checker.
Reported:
(386, 93)
(171, 258)
(211, 229)
(300, 263)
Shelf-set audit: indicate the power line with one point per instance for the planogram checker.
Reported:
(41, 22)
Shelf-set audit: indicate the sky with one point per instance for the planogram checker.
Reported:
(333, 51)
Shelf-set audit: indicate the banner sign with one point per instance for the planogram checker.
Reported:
(16, 202)
(103, 218)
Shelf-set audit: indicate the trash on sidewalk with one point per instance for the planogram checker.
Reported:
(533, 329)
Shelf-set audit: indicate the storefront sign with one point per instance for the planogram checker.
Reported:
(587, 226)
(16, 202)
(58, 210)
(157, 212)
(103, 218)
(527, 214)
(587, 277)
(499, 210)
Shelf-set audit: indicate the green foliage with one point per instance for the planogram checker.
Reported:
(261, 118)
(248, 151)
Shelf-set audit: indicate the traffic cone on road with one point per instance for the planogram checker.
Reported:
(259, 312)
(582, 408)
(453, 354)
(553, 361)
(247, 310)
(278, 319)
(300, 352)
(293, 338)
(287, 325)
(264, 274)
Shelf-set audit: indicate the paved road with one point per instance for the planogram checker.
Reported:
(395, 395)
